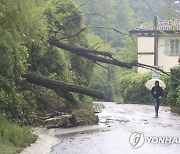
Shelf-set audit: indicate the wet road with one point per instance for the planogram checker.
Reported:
(111, 135)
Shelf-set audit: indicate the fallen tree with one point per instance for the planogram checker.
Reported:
(64, 89)
(61, 88)
(99, 56)
(94, 55)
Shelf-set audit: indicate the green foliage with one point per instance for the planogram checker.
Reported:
(102, 77)
(128, 51)
(68, 67)
(143, 12)
(166, 80)
(132, 88)
(24, 28)
(85, 112)
(174, 93)
(122, 15)
(178, 98)
(14, 137)
(59, 14)
(56, 64)
(108, 13)
(19, 28)
(98, 106)
(107, 79)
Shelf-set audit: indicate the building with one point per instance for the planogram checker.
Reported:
(158, 45)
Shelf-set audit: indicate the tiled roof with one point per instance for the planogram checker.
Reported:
(162, 26)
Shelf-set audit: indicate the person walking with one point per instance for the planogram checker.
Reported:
(157, 93)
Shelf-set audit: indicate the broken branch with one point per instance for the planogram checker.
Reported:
(62, 86)
(88, 53)
(74, 35)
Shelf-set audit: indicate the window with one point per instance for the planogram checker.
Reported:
(172, 47)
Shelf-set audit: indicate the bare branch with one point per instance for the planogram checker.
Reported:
(149, 6)
(94, 46)
(55, 41)
(118, 31)
(89, 54)
(81, 6)
(96, 56)
(78, 16)
(148, 68)
(152, 67)
(74, 35)
(101, 65)
(95, 14)
(69, 18)
(97, 48)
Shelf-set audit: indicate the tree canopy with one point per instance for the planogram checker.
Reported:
(88, 27)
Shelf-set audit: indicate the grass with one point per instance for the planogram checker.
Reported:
(13, 137)
(7, 148)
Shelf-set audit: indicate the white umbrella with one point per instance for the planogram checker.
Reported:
(151, 83)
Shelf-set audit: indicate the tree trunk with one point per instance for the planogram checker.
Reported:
(100, 56)
(65, 88)
(89, 53)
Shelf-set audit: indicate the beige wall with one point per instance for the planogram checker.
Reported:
(146, 44)
(165, 60)
(145, 59)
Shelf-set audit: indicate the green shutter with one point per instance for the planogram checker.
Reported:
(177, 46)
(167, 46)
(172, 46)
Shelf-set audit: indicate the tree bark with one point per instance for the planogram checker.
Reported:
(99, 56)
(89, 53)
(67, 95)
(65, 88)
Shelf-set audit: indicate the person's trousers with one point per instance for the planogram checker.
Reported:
(156, 105)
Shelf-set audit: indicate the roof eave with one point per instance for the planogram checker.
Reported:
(152, 32)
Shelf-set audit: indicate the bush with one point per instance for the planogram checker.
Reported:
(174, 87)
(86, 113)
(178, 98)
(14, 137)
(132, 88)
(11, 104)
(166, 79)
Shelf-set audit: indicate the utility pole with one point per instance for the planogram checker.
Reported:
(155, 25)
(155, 41)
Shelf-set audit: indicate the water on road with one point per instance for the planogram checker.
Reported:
(111, 136)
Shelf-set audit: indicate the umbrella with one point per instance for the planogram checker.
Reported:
(151, 83)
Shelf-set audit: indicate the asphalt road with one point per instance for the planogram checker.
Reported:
(123, 129)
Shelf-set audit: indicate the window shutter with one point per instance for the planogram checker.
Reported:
(167, 46)
(177, 46)
(172, 46)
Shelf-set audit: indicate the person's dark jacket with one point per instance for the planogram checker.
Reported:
(156, 91)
